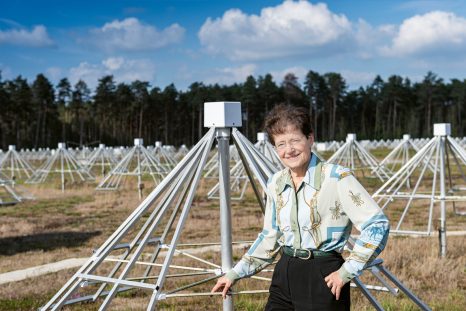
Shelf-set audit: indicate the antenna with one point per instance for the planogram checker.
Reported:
(354, 156)
(61, 162)
(430, 167)
(140, 253)
(137, 162)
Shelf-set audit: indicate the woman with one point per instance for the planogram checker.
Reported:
(311, 208)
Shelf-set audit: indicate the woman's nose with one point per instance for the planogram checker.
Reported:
(290, 148)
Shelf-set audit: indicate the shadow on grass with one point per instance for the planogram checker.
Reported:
(44, 241)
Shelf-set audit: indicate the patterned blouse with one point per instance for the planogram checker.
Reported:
(319, 215)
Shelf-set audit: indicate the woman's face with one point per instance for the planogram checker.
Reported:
(294, 148)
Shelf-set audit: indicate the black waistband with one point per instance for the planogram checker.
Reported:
(308, 253)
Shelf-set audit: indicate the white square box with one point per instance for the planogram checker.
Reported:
(61, 145)
(321, 147)
(261, 136)
(12, 147)
(158, 144)
(138, 142)
(222, 114)
(406, 137)
(350, 137)
(442, 129)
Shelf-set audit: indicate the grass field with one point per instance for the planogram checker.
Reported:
(58, 226)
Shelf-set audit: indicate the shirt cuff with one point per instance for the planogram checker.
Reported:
(344, 274)
(232, 275)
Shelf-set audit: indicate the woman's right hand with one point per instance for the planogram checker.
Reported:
(223, 285)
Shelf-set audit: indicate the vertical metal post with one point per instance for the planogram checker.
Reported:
(223, 139)
(139, 170)
(102, 155)
(351, 155)
(442, 229)
(62, 170)
(12, 167)
(406, 159)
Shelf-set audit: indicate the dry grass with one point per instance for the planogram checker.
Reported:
(59, 226)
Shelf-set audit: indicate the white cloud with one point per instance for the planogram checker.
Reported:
(122, 69)
(132, 35)
(370, 38)
(291, 28)
(436, 31)
(297, 29)
(230, 75)
(113, 63)
(37, 37)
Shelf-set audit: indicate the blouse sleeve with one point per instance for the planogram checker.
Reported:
(264, 249)
(369, 219)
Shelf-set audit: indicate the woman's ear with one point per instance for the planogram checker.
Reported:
(310, 138)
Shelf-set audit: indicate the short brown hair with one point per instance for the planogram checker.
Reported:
(283, 115)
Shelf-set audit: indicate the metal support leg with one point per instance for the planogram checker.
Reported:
(62, 171)
(223, 138)
(442, 233)
(139, 172)
(374, 302)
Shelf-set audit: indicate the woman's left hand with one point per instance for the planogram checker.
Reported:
(335, 283)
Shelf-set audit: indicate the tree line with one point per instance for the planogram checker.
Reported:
(38, 114)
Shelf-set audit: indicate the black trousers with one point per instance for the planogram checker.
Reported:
(299, 284)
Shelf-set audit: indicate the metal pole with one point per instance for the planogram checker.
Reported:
(139, 169)
(12, 167)
(223, 139)
(442, 229)
(102, 156)
(350, 145)
(62, 171)
(374, 302)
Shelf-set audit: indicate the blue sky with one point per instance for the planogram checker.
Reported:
(223, 42)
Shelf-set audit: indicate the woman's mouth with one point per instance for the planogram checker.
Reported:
(292, 157)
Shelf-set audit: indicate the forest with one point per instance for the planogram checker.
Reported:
(36, 114)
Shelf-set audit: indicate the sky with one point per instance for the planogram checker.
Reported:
(186, 41)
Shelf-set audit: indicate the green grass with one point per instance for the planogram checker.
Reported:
(47, 206)
(249, 302)
(23, 303)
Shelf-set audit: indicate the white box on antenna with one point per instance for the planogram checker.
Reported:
(442, 129)
(261, 136)
(321, 147)
(222, 114)
(350, 137)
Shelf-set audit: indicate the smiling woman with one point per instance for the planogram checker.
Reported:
(311, 208)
